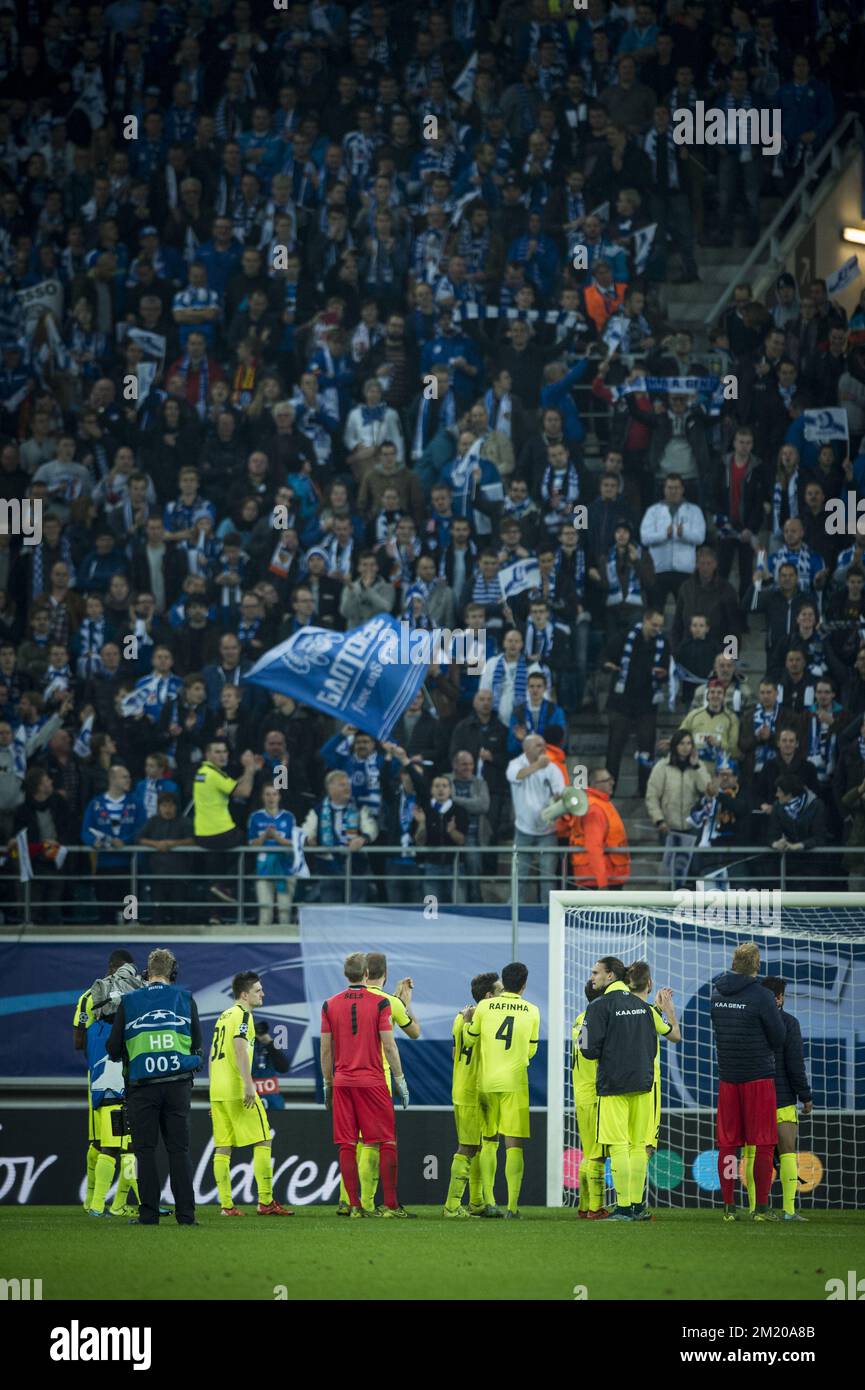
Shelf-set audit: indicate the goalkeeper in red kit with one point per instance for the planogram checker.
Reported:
(356, 1029)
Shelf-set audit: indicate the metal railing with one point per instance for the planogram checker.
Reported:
(477, 874)
(802, 197)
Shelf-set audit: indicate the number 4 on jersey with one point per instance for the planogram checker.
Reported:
(506, 1031)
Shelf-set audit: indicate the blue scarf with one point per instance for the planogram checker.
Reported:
(795, 806)
(634, 594)
(539, 641)
(628, 652)
(763, 718)
(337, 824)
(372, 414)
(822, 748)
(407, 803)
(861, 743)
(778, 517)
(447, 416)
(520, 681)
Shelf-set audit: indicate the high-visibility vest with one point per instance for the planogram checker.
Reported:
(600, 307)
(618, 864)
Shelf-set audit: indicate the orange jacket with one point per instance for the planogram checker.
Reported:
(599, 829)
(601, 307)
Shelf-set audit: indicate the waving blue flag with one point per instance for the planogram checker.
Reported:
(363, 677)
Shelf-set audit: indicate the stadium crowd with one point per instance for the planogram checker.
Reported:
(314, 312)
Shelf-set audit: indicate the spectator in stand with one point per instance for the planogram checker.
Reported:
(675, 784)
(166, 873)
(797, 825)
(535, 782)
(337, 820)
(672, 530)
(640, 662)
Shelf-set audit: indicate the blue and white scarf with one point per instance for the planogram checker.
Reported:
(337, 824)
(91, 636)
(407, 803)
(614, 593)
(567, 483)
(539, 640)
(447, 416)
(628, 652)
(778, 517)
(520, 680)
(764, 719)
(499, 413)
(795, 806)
(822, 749)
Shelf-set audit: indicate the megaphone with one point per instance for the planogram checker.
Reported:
(572, 802)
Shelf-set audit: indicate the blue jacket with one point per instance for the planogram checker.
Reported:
(748, 1028)
(803, 108)
(557, 396)
(100, 820)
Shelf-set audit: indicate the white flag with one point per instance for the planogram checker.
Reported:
(642, 246)
(602, 212)
(465, 83)
(25, 868)
(615, 332)
(840, 279)
(153, 344)
(300, 868)
(521, 575)
(822, 426)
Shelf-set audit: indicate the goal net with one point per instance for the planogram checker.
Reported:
(816, 942)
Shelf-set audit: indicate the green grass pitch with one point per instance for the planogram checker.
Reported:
(315, 1254)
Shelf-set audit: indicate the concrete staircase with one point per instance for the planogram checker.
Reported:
(587, 742)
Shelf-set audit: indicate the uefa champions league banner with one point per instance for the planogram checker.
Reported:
(43, 978)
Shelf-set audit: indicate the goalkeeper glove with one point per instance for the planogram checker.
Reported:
(402, 1089)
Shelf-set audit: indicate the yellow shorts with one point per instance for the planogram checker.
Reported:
(655, 1119)
(234, 1126)
(468, 1122)
(787, 1115)
(624, 1119)
(505, 1113)
(587, 1125)
(107, 1126)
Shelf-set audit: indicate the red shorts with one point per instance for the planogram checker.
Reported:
(366, 1110)
(747, 1113)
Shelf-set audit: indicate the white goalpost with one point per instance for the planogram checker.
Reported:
(816, 942)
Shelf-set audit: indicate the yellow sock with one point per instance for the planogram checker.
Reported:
(789, 1181)
(639, 1163)
(514, 1167)
(460, 1172)
(585, 1198)
(596, 1179)
(262, 1163)
(368, 1170)
(487, 1163)
(92, 1156)
(620, 1162)
(750, 1152)
(476, 1187)
(126, 1181)
(103, 1178)
(222, 1174)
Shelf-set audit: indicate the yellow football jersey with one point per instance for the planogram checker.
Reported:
(464, 1090)
(585, 1071)
(83, 1016)
(400, 1015)
(662, 1028)
(226, 1083)
(507, 1029)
